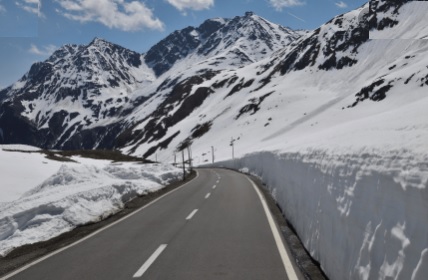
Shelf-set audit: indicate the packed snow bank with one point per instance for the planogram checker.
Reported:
(76, 195)
(361, 215)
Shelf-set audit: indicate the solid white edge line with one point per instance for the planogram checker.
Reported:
(94, 233)
(150, 261)
(289, 269)
(192, 214)
(208, 195)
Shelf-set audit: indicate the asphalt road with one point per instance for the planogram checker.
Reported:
(214, 227)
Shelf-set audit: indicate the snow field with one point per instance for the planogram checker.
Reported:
(74, 195)
(20, 171)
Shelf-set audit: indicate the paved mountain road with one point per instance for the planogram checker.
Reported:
(214, 227)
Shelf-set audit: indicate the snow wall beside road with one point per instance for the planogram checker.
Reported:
(362, 215)
(76, 195)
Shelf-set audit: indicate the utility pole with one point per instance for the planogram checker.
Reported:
(232, 143)
(189, 154)
(184, 167)
(212, 153)
(175, 159)
(156, 157)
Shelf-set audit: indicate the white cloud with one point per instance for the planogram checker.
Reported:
(119, 14)
(44, 51)
(31, 6)
(280, 4)
(341, 4)
(196, 5)
(2, 8)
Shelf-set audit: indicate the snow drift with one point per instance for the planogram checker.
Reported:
(76, 195)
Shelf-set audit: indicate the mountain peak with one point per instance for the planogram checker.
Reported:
(233, 42)
(98, 42)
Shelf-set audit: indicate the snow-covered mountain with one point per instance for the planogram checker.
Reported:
(77, 88)
(238, 94)
(228, 43)
(82, 96)
(334, 120)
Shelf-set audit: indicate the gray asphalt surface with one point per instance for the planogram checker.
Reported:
(227, 238)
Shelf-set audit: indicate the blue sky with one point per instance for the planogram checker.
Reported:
(30, 30)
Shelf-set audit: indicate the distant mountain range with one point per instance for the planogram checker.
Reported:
(208, 84)
(85, 96)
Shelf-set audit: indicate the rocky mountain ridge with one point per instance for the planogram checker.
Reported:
(74, 98)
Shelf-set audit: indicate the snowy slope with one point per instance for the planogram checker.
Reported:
(42, 198)
(407, 21)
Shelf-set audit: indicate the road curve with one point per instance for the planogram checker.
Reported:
(214, 227)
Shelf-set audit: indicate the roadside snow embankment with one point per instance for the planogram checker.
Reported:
(361, 215)
(76, 195)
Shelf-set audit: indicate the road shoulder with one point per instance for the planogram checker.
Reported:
(301, 259)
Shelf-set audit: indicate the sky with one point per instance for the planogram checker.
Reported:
(30, 30)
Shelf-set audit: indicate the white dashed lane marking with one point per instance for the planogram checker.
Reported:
(150, 261)
(192, 214)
